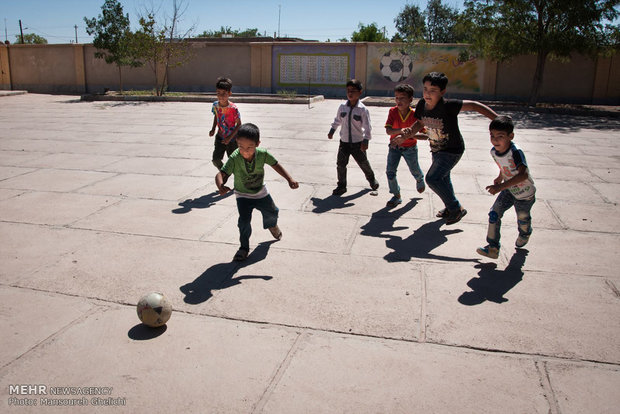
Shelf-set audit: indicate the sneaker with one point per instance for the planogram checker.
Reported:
(241, 255)
(275, 232)
(339, 190)
(394, 201)
(374, 185)
(420, 186)
(442, 213)
(455, 217)
(522, 241)
(488, 251)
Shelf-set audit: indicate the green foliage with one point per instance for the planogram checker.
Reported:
(230, 33)
(410, 24)
(31, 39)
(502, 29)
(113, 37)
(369, 33)
(437, 24)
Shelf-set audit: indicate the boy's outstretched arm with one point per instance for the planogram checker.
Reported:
(280, 170)
(212, 132)
(220, 180)
(406, 133)
(234, 133)
(480, 108)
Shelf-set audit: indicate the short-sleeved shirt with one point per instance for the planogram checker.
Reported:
(227, 118)
(249, 176)
(508, 164)
(395, 120)
(442, 125)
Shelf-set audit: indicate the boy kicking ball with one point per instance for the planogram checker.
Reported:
(247, 164)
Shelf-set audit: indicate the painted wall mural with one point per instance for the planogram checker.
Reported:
(389, 65)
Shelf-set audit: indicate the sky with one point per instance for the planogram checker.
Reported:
(321, 20)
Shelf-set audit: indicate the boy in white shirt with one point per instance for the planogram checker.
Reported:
(514, 185)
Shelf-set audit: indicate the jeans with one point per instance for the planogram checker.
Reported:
(245, 206)
(504, 201)
(355, 149)
(219, 149)
(438, 178)
(410, 154)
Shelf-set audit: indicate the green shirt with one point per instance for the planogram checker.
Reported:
(249, 176)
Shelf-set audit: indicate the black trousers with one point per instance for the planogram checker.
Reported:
(355, 149)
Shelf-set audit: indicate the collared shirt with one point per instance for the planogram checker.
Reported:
(395, 120)
(354, 122)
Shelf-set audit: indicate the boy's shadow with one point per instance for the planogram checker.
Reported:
(333, 202)
(220, 276)
(493, 284)
(420, 244)
(205, 201)
(383, 220)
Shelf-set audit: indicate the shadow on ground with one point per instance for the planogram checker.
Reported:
(493, 284)
(220, 276)
(204, 201)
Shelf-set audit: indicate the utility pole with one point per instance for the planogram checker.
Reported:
(6, 37)
(21, 31)
(279, 10)
(75, 34)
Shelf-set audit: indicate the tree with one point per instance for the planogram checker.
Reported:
(410, 24)
(229, 31)
(149, 44)
(440, 23)
(113, 37)
(503, 29)
(437, 24)
(31, 39)
(368, 33)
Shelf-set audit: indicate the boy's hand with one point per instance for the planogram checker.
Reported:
(493, 189)
(364, 146)
(212, 132)
(223, 189)
(498, 180)
(396, 141)
(330, 136)
(293, 184)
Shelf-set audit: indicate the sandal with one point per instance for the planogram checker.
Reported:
(453, 218)
(241, 255)
(442, 213)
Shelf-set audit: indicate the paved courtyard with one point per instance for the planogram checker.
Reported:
(358, 309)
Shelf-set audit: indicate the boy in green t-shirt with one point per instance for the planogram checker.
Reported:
(247, 164)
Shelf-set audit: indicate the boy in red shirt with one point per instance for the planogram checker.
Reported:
(400, 118)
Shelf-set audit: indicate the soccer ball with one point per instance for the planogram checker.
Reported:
(154, 310)
(396, 66)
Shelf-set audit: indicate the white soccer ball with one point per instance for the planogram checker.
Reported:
(154, 309)
(396, 66)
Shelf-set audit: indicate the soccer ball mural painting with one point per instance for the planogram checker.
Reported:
(396, 66)
(154, 310)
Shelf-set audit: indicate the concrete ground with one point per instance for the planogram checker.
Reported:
(358, 309)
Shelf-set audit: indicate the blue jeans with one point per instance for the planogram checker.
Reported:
(438, 178)
(245, 206)
(504, 201)
(410, 154)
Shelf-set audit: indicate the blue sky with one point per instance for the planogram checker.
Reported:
(308, 19)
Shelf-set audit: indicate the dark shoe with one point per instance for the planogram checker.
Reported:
(275, 232)
(455, 216)
(420, 186)
(394, 201)
(241, 255)
(488, 251)
(442, 213)
(374, 185)
(339, 190)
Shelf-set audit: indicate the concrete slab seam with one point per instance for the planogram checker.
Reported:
(545, 382)
(280, 371)
(423, 306)
(93, 310)
(613, 288)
